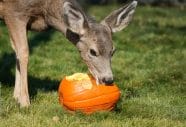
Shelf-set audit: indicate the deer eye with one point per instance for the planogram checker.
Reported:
(93, 52)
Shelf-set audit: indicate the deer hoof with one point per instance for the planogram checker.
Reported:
(24, 101)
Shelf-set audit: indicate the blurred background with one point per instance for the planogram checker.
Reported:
(141, 2)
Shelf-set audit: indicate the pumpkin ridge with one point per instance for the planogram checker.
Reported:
(84, 100)
(102, 94)
(111, 105)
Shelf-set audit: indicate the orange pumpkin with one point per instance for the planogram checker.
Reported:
(80, 92)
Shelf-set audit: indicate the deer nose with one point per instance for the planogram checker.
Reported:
(108, 81)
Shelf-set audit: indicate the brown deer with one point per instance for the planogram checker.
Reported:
(93, 39)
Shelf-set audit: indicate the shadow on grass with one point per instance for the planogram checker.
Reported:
(7, 64)
(180, 29)
(44, 36)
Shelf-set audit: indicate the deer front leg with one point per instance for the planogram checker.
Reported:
(17, 31)
(17, 76)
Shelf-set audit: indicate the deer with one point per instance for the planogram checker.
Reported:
(93, 39)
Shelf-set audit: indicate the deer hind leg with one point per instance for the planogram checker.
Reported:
(17, 31)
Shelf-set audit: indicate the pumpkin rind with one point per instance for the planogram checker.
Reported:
(73, 96)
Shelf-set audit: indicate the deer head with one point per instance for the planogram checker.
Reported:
(94, 40)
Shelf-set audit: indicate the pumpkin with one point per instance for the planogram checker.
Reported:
(80, 92)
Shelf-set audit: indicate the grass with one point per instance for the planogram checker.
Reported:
(149, 68)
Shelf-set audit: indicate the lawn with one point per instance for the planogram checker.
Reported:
(149, 67)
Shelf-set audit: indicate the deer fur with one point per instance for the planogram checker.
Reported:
(93, 39)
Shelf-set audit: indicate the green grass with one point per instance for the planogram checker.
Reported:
(149, 68)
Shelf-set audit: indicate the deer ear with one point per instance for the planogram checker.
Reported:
(74, 18)
(119, 19)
